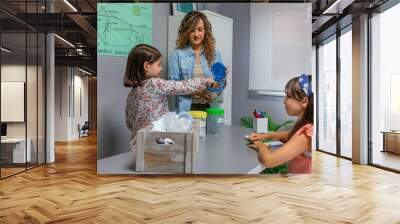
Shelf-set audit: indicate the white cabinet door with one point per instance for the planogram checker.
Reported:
(280, 44)
(173, 27)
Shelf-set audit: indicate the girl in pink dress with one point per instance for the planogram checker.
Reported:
(147, 100)
(297, 148)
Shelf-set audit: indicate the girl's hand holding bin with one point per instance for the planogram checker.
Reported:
(208, 97)
(257, 145)
(209, 80)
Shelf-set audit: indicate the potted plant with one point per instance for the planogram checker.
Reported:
(247, 122)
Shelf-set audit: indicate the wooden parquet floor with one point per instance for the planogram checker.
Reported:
(70, 191)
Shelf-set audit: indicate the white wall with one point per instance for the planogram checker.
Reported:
(33, 126)
(80, 83)
(16, 73)
(13, 72)
(70, 83)
(12, 100)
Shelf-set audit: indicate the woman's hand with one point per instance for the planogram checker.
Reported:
(256, 137)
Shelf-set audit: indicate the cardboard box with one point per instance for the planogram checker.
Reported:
(392, 142)
(152, 157)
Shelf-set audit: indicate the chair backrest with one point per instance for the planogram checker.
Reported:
(86, 125)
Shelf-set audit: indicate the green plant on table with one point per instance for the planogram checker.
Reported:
(247, 122)
(272, 126)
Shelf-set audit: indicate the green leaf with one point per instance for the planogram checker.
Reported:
(279, 126)
(272, 126)
(246, 121)
(281, 169)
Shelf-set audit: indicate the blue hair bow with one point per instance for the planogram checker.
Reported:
(305, 84)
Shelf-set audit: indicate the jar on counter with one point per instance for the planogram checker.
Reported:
(201, 117)
(215, 120)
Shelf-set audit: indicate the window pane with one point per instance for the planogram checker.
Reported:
(327, 97)
(41, 98)
(385, 84)
(13, 87)
(31, 97)
(346, 94)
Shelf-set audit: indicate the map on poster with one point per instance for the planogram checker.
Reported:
(121, 26)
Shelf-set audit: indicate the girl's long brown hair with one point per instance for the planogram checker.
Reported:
(134, 72)
(294, 91)
(188, 24)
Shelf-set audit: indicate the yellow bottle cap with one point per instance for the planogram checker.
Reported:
(198, 114)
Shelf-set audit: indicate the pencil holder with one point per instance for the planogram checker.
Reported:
(260, 125)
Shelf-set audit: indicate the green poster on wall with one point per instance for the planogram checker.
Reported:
(121, 26)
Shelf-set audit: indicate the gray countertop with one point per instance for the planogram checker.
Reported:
(225, 153)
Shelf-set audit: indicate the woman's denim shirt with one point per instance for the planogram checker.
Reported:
(181, 67)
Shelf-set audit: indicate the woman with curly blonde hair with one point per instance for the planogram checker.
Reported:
(194, 54)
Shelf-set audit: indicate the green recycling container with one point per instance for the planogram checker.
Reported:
(215, 120)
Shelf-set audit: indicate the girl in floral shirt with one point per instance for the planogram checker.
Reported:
(147, 101)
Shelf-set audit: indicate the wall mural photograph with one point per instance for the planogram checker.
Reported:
(166, 92)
